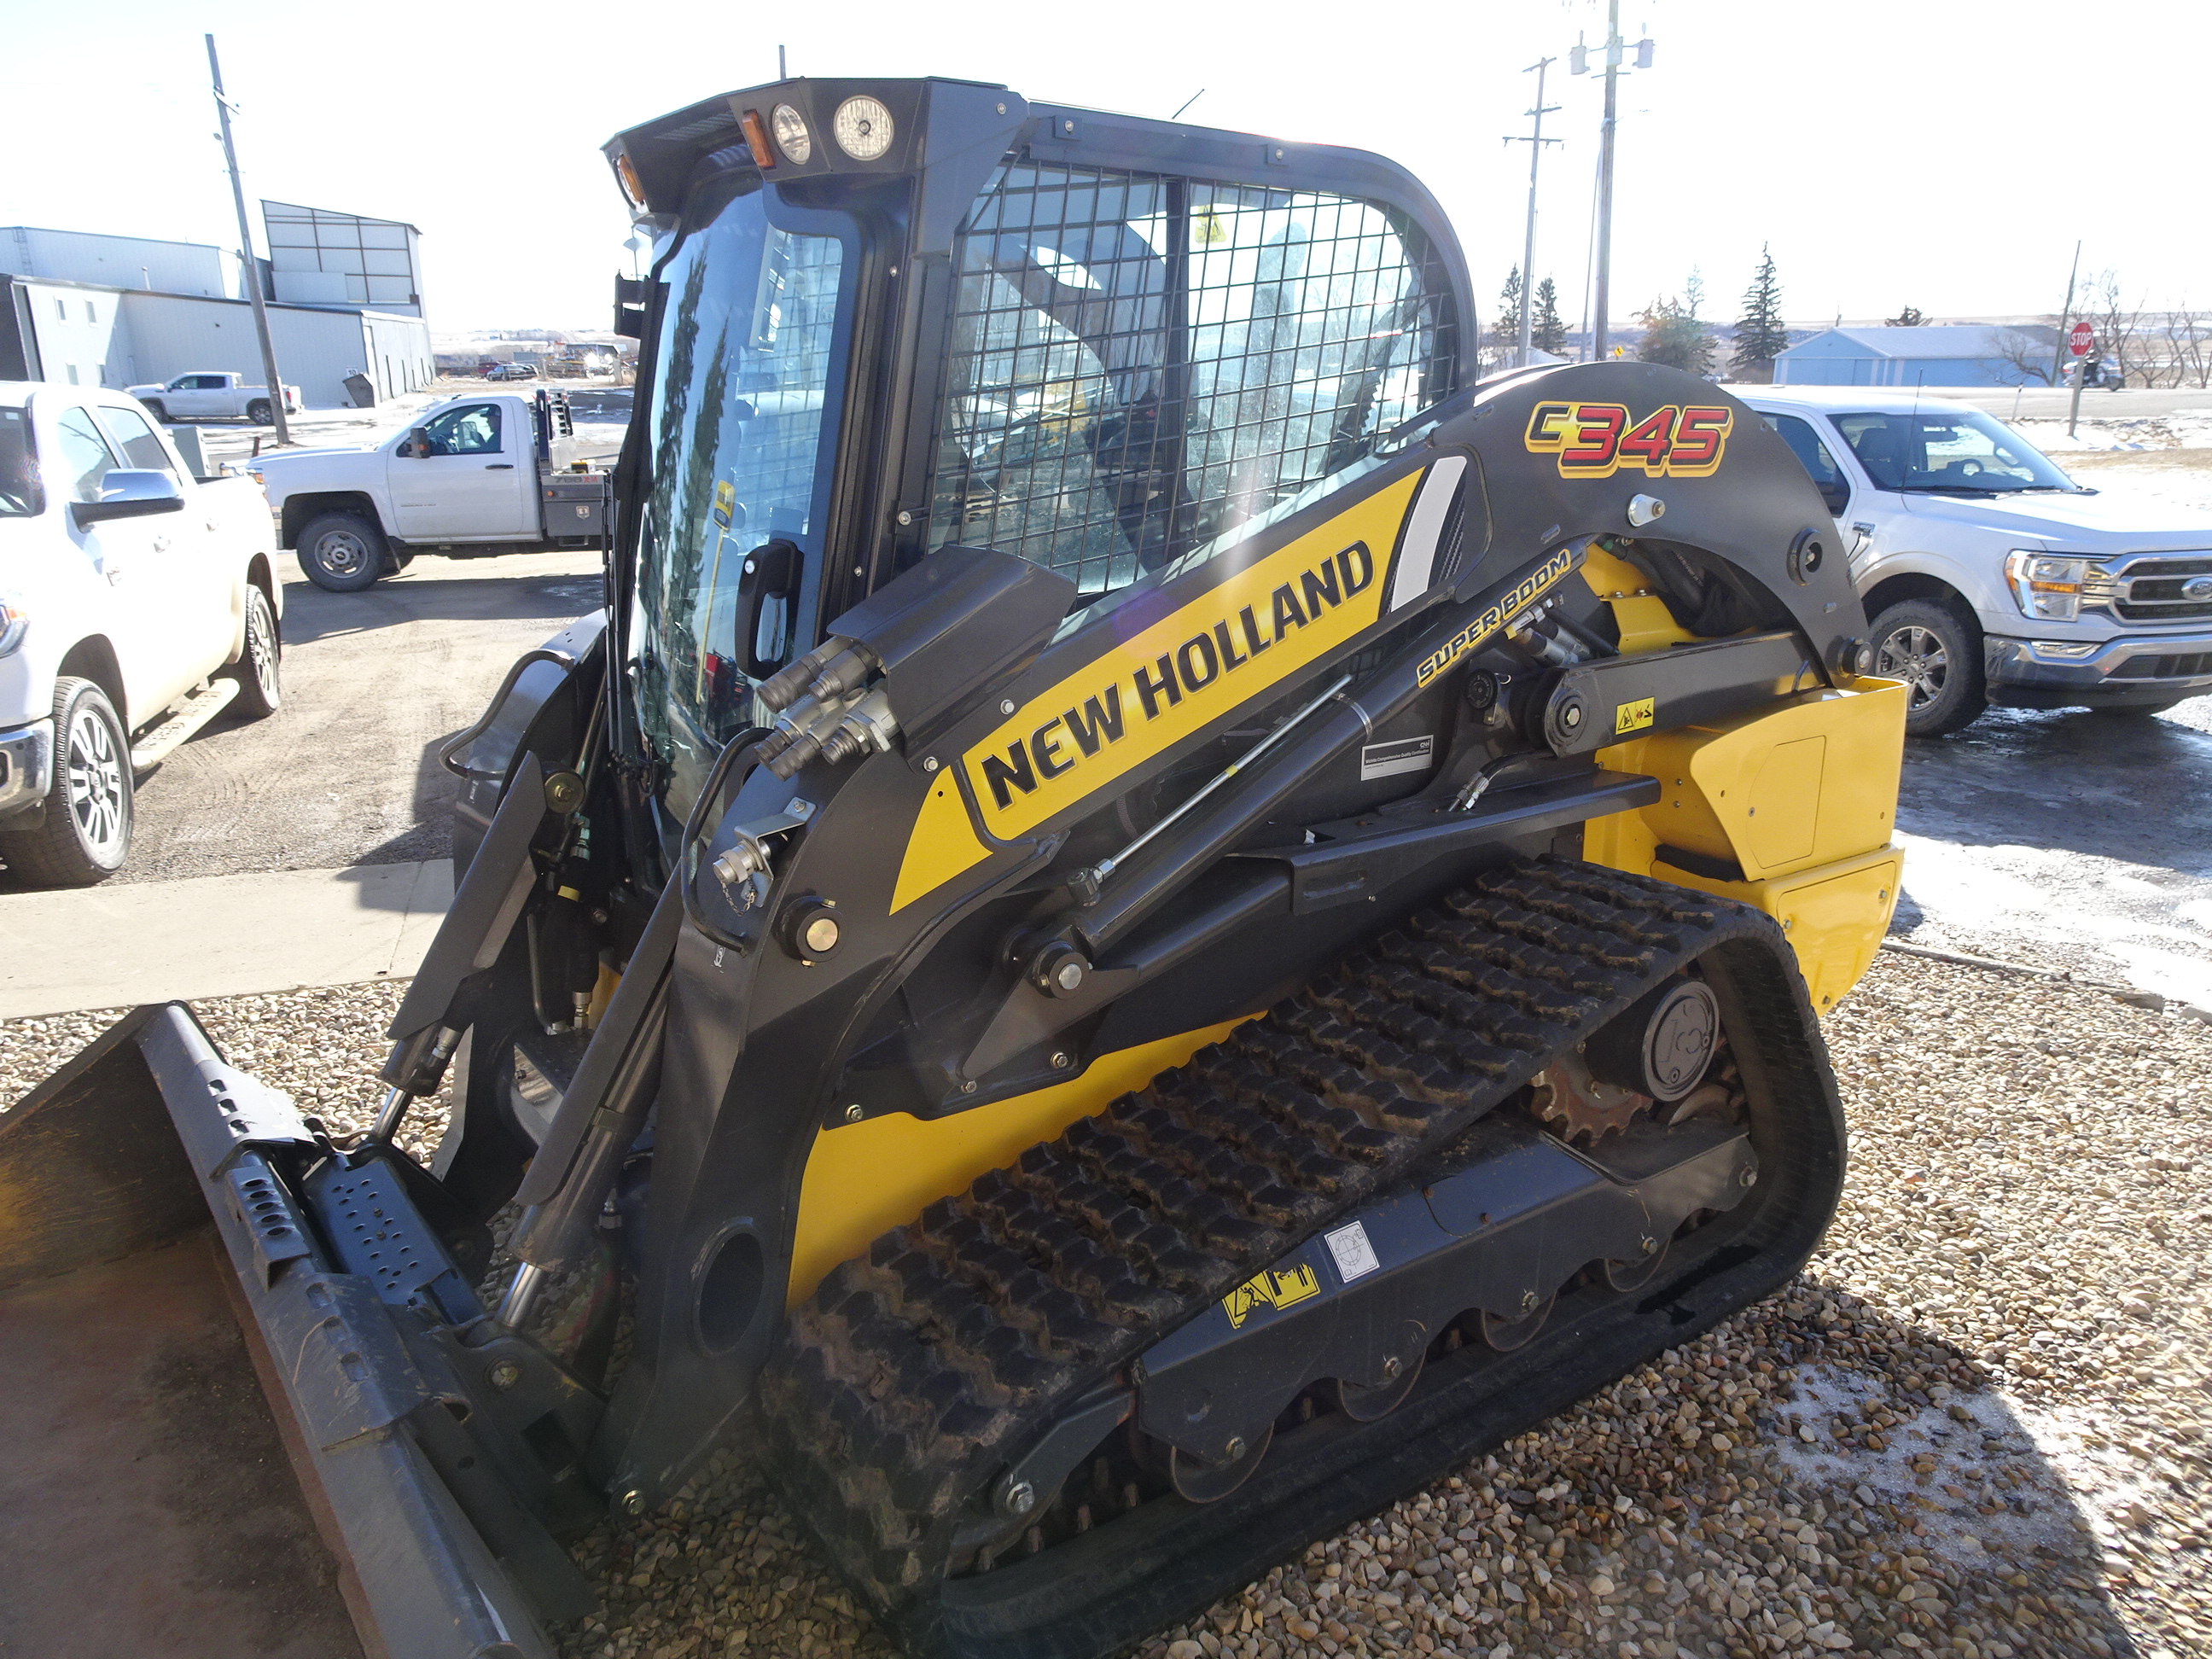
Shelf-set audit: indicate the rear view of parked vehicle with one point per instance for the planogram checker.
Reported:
(137, 603)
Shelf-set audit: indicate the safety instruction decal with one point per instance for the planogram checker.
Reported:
(1353, 1250)
(1270, 1289)
(1632, 716)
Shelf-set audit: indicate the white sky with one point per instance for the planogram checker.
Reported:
(1944, 154)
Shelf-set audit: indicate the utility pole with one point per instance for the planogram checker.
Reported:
(2065, 316)
(253, 267)
(1535, 141)
(1578, 63)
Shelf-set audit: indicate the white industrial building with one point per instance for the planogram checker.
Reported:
(83, 309)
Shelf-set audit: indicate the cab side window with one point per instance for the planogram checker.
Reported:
(473, 430)
(140, 447)
(1805, 443)
(85, 460)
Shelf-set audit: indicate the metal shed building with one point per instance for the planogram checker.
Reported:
(1934, 354)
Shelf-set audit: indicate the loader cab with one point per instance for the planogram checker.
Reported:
(887, 316)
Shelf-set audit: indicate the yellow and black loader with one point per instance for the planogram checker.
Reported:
(1149, 917)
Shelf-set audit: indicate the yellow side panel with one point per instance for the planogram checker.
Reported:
(864, 1180)
(1835, 915)
(942, 844)
(1803, 796)
(1783, 803)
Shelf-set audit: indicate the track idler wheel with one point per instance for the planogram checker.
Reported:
(1507, 1335)
(1634, 1274)
(1364, 1403)
(1207, 1483)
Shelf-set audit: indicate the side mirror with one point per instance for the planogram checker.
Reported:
(128, 493)
(416, 444)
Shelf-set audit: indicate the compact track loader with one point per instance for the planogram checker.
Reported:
(1148, 918)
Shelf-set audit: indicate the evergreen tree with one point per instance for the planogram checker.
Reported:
(1546, 331)
(1760, 333)
(1506, 334)
(1674, 336)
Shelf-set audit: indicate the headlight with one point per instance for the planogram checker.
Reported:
(792, 136)
(863, 128)
(2045, 586)
(15, 621)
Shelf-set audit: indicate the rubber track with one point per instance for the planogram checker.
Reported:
(918, 1370)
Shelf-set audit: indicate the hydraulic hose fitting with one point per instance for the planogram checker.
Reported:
(781, 689)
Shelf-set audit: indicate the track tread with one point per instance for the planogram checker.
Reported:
(916, 1371)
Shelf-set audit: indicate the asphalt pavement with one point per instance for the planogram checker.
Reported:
(2072, 841)
(346, 773)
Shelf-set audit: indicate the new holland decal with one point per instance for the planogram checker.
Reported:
(1173, 674)
(1595, 440)
(1270, 1289)
(1495, 616)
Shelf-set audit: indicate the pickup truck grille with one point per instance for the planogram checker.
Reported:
(2164, 668)
(2150, 590)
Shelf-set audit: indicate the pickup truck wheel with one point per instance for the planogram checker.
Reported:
(259, 413)
(1934, 647)
(258, 672)
(156, 408)
(86, 833)
(342, 552)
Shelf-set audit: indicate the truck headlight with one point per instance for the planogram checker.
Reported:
(15, 622)
(2046, 586)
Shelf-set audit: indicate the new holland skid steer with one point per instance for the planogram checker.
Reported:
(1148, 918)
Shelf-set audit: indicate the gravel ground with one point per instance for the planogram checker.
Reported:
(1978, 1424)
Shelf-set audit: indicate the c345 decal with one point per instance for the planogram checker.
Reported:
(1270, 1289)
(1495, 616)
(1595, 440)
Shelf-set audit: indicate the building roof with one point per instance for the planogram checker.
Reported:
(1937, 339)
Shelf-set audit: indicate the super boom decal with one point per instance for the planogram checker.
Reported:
(1496, 615)
(1595, 440)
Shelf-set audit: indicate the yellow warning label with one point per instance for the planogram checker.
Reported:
(1270, 1289)
(1632, 716)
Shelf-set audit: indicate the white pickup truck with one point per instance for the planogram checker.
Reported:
(206, 396)
(136, 602)
(1989, 575)
(490, 473)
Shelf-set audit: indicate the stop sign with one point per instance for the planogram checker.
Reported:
(2080, 338)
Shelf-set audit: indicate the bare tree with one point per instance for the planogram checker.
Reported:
(2189, 346)
(2029, 356)
(2116, 324)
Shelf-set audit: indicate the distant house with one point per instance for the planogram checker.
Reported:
(1936, 354)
